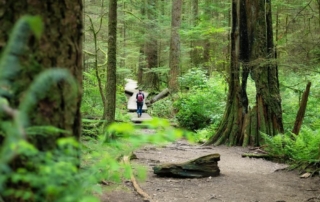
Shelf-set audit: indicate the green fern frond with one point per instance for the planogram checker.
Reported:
(45, 130)
(41, 86)
(9, 62)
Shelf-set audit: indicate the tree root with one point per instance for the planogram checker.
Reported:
(146, 197)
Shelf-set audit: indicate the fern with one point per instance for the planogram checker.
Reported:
(300, 151)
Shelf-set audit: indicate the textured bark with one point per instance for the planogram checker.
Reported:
(203, 166)
(229, 132)
(302, 110)
(111, 86)
(59, 46)
(174, 57)
(251, 45)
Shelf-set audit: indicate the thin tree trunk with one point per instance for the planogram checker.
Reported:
(174, 62)
(151, 79)
(302, 110)
(111, 86)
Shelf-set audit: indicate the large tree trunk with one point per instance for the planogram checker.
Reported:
(251, 23)
(111, 86)
(174, 62)
(59, 46)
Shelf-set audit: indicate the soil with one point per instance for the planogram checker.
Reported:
(240, 180)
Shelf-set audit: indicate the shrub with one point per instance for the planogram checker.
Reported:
(193, 78)
(162, 109)
(200, 107)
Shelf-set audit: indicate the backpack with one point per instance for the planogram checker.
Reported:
(140, 97)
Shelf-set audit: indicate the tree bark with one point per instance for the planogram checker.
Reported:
(174, 60)
(161, 95)
(111, 87)
(302, 110)
(152, 79)
(251, 45)
(195, 53)
(59, 46)
(203, 166)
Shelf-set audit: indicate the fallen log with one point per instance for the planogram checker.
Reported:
(161, 95)
(204, 166)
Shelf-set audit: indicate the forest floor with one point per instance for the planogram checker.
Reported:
(240, 179)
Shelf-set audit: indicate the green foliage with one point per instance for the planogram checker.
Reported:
(162, 109)
(193, 78)
(202, 135)
(301, 151)
(203, 104)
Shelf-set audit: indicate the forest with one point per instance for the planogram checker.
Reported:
(215, 74)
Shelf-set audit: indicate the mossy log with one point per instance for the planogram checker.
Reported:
(204, 166)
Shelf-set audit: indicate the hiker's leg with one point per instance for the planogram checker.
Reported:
(138, 108)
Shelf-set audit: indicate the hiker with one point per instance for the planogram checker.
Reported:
(140, 99)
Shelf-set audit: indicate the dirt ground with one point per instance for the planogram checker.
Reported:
(240, 180)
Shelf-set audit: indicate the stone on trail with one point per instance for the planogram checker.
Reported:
(204, 166)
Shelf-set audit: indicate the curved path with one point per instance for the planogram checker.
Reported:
(131, 89)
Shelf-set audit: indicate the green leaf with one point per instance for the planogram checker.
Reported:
(36, 25)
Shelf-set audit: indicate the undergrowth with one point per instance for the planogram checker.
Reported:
(301, 151)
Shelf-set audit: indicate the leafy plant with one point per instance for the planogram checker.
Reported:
(193, 78)
(201, 105)
(301, 151)
(162, 109)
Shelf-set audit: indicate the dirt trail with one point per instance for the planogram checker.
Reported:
(241, 179)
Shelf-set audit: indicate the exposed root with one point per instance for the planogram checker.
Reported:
(146, 197)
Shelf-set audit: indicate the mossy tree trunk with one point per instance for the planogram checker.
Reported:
(174, 57)
(252, 52)
(111, 86)
(59, 46)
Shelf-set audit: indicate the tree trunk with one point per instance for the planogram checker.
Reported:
(203, 166)
(195, 54)
(252, 25)
(302, 110)
(174, 60)
(59, 46)
(152, 79)
(111, 86)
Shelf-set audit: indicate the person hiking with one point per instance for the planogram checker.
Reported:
(140, 99)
